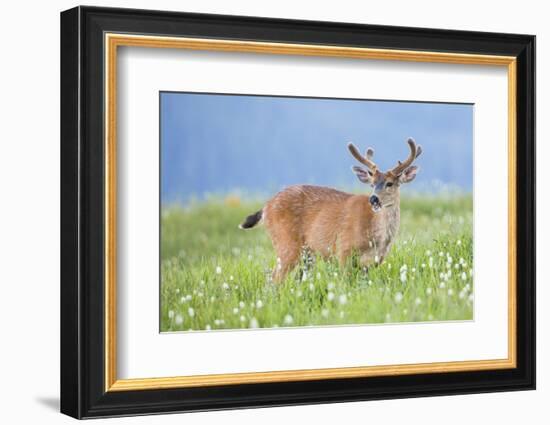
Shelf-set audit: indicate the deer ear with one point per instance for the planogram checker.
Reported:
(409, 174)
(363, 175)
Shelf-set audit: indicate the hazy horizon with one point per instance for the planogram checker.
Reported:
(218, 144)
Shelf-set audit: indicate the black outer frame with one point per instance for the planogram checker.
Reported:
(82, 217)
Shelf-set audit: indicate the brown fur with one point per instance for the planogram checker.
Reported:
(327, 222)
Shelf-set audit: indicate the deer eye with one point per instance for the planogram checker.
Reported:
(389, 184)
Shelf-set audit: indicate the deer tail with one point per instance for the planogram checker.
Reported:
(251, 220)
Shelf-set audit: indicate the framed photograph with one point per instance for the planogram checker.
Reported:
(261, 212)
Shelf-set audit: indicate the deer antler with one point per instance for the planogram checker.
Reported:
(416, 150)
(365, 160)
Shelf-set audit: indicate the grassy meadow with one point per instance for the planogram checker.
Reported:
(216, 276)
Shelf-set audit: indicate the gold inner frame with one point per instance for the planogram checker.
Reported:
(113, 41)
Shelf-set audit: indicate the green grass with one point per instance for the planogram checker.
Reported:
(215, 276)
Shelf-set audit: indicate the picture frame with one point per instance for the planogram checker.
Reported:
(90, 40)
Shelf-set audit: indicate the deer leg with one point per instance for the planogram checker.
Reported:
(343, 257)
(368, 260)
(287, 259)
(306, 260)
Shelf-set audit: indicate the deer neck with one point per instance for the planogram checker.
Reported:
(390, 213)
(387, 223)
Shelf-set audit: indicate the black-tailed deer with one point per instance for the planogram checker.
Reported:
(330, 222)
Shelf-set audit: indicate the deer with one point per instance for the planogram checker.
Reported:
(331, 223)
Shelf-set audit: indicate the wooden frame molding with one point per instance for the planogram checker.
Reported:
(113, 41)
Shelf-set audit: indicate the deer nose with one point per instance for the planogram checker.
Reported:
(374, 200)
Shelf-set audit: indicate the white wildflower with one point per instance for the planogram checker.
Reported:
(431, 262)
(288, 319)
(330, 285)
(235, 310)
(225, 285)
(259, 304)
(191, 312)
(463, 276)
(189, 297)
(242, 318)
(208, 327)
(311, 286)
(171, 314)
(341, 315)
(218, 270)
(324, 313)
(423, 265)
(429, 291)
(343, 299)
(253, 323)
(330, 296)
(179, 319)
(459, 242)
(241, 304)
(442, 285)
(403, 277)
(398, 297)
(376, 259)
(450, 292)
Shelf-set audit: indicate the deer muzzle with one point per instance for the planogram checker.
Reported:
(375, 203)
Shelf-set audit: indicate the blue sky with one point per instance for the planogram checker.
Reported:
(258, 144)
